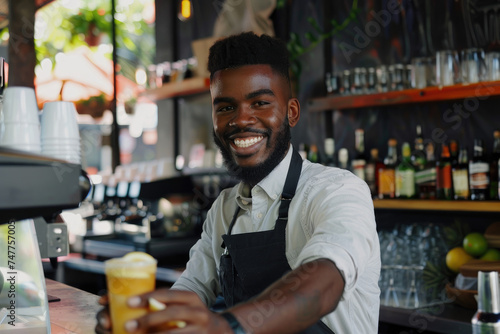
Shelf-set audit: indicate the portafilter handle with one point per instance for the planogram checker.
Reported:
(85, 184)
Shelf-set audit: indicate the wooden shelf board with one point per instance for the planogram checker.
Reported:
(429, 94)
(186, 87)
(437, 205)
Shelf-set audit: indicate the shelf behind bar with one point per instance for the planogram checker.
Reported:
(437, 205)
(185, 87)
(480, 90)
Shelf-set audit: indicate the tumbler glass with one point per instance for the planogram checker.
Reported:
(447, 68)
(133, 274)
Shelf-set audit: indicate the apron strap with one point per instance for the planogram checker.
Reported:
(292, 179)
(232, 224)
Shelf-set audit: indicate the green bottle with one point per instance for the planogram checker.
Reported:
(405, 175)
(313, 155)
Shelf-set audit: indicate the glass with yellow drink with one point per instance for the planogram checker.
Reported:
(133, 274)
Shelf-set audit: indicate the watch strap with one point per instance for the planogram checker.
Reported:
(233, 323)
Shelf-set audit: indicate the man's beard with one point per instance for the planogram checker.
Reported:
(253, 175)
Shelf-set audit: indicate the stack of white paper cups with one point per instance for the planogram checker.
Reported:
(19, 121)
(60, 136)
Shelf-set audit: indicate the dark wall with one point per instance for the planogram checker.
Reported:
(370, 39)
(377, 36)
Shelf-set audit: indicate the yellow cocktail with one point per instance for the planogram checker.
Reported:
(133, 274)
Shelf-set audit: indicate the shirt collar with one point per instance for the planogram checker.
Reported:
(272, 184)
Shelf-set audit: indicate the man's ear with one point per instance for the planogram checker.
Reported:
(293, 111)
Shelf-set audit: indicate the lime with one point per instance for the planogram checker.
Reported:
(475, 244)
(456, 257)
(491, 254)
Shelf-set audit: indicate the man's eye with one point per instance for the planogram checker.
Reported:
(261, 103)
(226, 108)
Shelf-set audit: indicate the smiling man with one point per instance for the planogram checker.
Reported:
(293, 247)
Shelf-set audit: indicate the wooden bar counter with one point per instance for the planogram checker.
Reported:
(75, 311)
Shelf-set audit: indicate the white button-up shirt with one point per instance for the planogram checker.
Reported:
(331, 216)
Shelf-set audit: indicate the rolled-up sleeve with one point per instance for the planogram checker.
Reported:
(201, 275)
(339, 218)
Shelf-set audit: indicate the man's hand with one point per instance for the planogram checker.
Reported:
(103, 318)
(181, 307)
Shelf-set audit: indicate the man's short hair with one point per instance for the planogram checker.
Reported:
(249, 49)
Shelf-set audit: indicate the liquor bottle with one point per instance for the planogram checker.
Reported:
(371, 171)
(425, 179)
(494, 170)
(313, 155)
(386, 175)
(344, 158)
(359, 161)
(479, 173)
(460, 175)
(418, 157)
(405, 175)
(329, 159)
(454, 152)
(443, 174)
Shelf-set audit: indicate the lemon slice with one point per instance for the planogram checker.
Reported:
(138, 257)
(177, 324)
(155, 305)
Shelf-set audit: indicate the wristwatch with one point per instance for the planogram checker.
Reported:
(233, 323)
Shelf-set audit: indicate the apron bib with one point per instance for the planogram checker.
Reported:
(253, 261)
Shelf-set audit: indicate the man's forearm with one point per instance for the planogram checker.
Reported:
(295, 302)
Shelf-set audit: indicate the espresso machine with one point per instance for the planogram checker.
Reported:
(34, 189)
(162, 217)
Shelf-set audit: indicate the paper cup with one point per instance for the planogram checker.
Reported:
(58, 121)
(19, 106)
(20, 134)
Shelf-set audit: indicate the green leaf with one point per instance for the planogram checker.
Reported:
(315, 25)
(280, 4)
(296, 68)
(353, 15)
(311, 37)
(294, 38)
(297, 50)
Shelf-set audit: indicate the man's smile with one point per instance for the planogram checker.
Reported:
(247, 142)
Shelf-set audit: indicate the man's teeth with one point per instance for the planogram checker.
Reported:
(247, 142)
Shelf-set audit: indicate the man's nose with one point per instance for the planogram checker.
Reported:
(243, 117)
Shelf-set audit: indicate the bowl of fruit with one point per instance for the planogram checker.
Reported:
(475, 254)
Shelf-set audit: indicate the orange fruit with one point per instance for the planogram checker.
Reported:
(491, 254)
(456, 257)
(475, 244)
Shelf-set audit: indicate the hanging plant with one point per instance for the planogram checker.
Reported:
(92, 24)
(94, 106)
(295, 46)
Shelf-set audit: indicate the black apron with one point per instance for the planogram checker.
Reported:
(253, 261)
